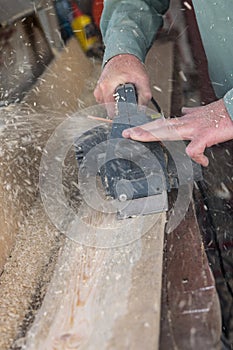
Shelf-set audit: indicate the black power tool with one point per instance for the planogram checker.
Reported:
(136, 175)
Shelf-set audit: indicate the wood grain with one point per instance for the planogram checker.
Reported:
(103, 298)
(106, 298)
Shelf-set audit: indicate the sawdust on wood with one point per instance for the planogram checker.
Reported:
(30, 265)
(26, 275)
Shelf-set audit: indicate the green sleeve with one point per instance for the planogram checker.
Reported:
(228, 101)
(129, 26)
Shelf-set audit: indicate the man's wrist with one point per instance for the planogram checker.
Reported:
(110, 53)
(122, 56)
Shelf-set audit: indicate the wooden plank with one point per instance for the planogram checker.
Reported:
(103, 298)
(63, 84)
(191, 316)
(111, 297)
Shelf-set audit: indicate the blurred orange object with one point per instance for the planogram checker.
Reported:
(97, 8)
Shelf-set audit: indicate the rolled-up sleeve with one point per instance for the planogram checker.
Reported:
(129, 26)
(228, 100)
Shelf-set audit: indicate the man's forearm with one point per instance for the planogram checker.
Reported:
(130, 26)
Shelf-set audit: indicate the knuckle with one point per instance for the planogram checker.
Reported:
(148, 95)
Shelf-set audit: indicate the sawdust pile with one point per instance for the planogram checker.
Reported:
(26, 275)
(29, 243)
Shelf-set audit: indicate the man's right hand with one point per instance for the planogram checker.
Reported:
(204, 126)
(122, 69)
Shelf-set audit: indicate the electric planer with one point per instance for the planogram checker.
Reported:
(136, 175)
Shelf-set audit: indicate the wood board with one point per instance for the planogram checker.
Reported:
(103, 298)
(111, 297)
(191, 316)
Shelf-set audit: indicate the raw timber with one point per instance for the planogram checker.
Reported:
(58, 294)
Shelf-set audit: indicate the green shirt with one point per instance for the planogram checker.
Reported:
(129, 26)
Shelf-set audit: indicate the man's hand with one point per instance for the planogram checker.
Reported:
(123, 69)
(203, 126)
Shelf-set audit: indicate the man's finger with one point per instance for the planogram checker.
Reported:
(139, 134)
(189, 110)
(159, 130)
(195, 150)
(98, 94)
(144, 95)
